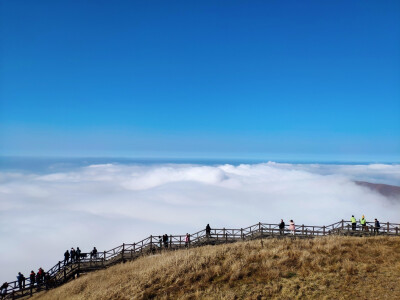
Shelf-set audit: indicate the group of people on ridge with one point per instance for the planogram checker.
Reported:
(292, 227)
(165, 240)
(75, 255)
(363, 223)
(39, 279)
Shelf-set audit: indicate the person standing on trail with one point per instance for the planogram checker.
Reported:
(282, 227)
(32, 278)
(377, 226)
(292, 227)
(21, 280)
(40, 274)
(363, 223)
(47, 280)
(208, 231)
(38, 281)
(72, 254)
(3, 289)
(78, 254)
(353, 223)
(165, 239)
(187, 240)
(66, 257)
(93, 254)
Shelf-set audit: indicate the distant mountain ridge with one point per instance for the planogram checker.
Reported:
(384, 189)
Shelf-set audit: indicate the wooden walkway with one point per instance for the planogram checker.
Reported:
(60, 273)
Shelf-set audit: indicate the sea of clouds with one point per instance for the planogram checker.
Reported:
(104, 205)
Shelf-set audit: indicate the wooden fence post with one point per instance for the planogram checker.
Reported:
(342, 224)
(397, 230)
(259, 226)
(79, 266)
(302, 229)
(123, 251)
(151, 242)
(59, 266)
(388, 227)
(170, 241)
(323, 230)
(241, 234)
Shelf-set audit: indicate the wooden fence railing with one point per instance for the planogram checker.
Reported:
(61, 273)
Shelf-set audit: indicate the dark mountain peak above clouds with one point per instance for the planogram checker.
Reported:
(384, 189)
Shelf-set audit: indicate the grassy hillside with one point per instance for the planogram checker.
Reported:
(323, 268)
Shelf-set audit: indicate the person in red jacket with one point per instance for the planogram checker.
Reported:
(32, 278)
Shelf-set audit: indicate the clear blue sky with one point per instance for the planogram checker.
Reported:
(200, 78)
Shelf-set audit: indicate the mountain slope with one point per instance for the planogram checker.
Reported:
(383, 189)
(321, 268)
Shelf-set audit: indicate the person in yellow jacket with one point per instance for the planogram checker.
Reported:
(363, 223)
(353, 223)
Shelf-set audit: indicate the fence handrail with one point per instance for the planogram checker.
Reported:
(63, 270)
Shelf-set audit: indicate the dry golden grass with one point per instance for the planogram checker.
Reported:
(323, 268)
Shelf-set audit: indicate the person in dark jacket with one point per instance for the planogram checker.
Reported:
(72, 254)
(32, 278)
(165, 240)
(3, 289)
(66, 257)
(38, 281)
(47, 280)
(208, 231)
(93, 254)
(21, 280)
(282, 227)
(78, 254)
(377, 226)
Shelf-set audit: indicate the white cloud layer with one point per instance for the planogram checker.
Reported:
(42, 215)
